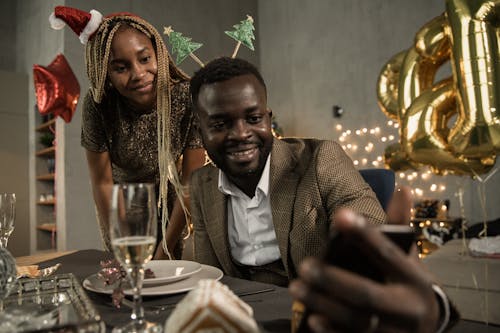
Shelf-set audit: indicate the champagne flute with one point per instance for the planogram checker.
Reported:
(7, 216)
(133, 224)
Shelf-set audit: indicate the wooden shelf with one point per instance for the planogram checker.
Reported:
(46, 226)
(46, 203)
(50, 227)
(48, 177)
(50, 151)
(45, 127)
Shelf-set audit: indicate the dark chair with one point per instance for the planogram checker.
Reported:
(382, 182)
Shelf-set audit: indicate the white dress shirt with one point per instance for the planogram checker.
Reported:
(250, 222)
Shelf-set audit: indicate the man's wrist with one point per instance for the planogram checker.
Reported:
(444, 308)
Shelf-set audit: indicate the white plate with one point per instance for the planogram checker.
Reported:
(167, 271)
(94, 284)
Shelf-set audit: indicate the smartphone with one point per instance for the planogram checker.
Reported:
(342, 251)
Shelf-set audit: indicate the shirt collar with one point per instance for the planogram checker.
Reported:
(228, 187)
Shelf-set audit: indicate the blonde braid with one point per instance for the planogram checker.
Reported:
(167, 76)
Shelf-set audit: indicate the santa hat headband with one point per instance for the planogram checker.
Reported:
(84, 24)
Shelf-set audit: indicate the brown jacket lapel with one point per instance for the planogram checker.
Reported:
(216, 225)
(283, 184)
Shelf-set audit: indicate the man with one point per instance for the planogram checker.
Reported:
(269, 203)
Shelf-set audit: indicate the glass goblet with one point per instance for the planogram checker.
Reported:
(7, 216)
(133, 228)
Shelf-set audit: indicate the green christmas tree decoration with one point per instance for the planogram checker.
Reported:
(243, 33)
(182, 46)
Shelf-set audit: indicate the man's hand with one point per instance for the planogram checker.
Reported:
(341, 301)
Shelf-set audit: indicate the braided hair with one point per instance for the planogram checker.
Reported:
(97, 54)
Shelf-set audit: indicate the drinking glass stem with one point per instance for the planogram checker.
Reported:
(137, 277)
(3, 242)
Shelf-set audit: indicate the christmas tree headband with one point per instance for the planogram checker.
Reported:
(183, 47)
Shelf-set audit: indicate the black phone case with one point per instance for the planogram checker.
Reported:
(342, 252)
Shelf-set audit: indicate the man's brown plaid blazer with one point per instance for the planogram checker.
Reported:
(309, 180)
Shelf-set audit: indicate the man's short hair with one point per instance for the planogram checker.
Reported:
(221, 69)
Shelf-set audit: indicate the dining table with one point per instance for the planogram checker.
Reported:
(272, 305)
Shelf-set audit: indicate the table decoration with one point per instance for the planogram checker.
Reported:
(211, 307)
(55, 303)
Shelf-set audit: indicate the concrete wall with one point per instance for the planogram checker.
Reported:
(316, 54)
(14, 155)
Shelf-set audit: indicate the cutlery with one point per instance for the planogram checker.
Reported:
(156, 309)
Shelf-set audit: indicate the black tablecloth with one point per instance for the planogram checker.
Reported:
(272, 309)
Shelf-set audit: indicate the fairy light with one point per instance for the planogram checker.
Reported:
(366, 145)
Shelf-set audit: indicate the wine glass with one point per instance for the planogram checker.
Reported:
(7, 216)
(133, 224)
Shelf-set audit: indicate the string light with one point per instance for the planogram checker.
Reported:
(365, 146)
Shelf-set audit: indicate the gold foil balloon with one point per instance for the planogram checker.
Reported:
(387, 86)
(475, 28)
(467, 35)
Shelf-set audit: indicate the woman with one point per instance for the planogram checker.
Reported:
(137, 120)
